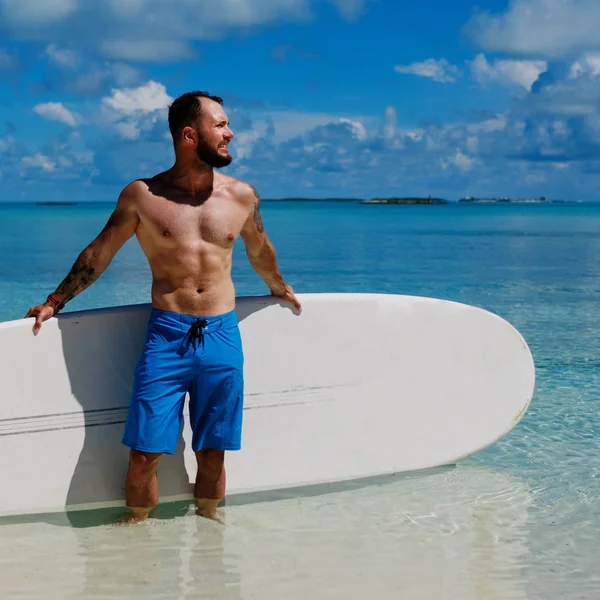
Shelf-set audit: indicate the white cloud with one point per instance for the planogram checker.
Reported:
(244, 142)
(137, 112)
(96, 79)
(588, 63)
(460, 161)
(67, 59)
(143, 99)
(147, 29)
(290, 124)
(147, 50)
(128, 130)
(32, 14)
(553, 28)
(520, 72)
(438, 70)
(38, 161)
(153, 30)
(472, 144)
(489, 125)
(358, 129)
(517, 153)
(55, 111)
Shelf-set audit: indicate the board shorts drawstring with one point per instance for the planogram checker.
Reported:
(195, 334)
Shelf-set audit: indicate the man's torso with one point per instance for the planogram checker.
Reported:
(189, 242)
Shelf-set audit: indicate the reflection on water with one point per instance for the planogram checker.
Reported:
(453, 533)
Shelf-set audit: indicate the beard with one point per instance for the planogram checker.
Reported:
(211, 157)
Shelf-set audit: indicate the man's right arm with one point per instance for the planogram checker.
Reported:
(96, 257)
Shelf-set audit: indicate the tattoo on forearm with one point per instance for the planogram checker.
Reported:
(256, 215)
(82, 274)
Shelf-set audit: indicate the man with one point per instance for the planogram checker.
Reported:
(186, 221)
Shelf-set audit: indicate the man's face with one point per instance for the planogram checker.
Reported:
(214, 135)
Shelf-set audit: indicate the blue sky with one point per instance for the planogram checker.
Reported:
(344, 98)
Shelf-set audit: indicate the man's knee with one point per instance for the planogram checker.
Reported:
(143, 463)
(210, 461)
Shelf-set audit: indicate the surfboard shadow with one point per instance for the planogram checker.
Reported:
(101, 355)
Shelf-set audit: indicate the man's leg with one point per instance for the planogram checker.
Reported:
(141, 484)
(210, 482)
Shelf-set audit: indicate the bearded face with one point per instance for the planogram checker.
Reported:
(214, 154)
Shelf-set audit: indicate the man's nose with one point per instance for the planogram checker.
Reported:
(228, 133)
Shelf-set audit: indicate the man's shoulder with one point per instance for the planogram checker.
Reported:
(136, 187)
(135, 191)
(242, 191)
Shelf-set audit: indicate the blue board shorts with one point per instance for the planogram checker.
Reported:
(183, 354)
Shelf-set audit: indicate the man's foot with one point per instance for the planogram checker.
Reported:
(137, 515)
(208, 510)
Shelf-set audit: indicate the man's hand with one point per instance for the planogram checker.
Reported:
(41, 312)
(287, 294)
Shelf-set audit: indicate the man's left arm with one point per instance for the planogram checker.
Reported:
(262, 255)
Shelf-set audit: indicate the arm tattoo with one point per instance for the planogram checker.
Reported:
(256, 215)
(82, 274)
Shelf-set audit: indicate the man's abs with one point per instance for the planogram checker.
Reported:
(191, 284)
(199, 301)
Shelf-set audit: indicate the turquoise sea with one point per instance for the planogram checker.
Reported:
(520, 520)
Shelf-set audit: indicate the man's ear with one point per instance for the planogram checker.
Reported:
(188, 135)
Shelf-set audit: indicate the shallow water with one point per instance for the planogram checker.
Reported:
(459, 532)
(519, 520)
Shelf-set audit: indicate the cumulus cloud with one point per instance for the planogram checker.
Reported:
(547, 143)
(560, 118)
(138, 112)
(149, 30)
(290, 124)
(438, 70)
(332, 160)
(460, 161)
(356, 127)
(56, 111)
(551, 28)
(143, 99)
(97, 79)
(35, 14)
(62, 57)
(38, 161)
(147, 50)
(588, 63)
(346, 157)
(517, 72)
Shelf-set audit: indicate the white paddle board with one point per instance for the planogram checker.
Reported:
(357, 385)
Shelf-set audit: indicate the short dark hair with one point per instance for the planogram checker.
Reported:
(185, 110)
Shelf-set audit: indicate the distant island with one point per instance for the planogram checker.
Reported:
(428, 200)
(355, 200)
(504, 199)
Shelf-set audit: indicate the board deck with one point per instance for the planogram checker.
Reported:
(357, 385)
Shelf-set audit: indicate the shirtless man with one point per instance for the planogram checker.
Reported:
(186, 221)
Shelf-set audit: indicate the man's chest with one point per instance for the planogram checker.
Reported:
(212, 222)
